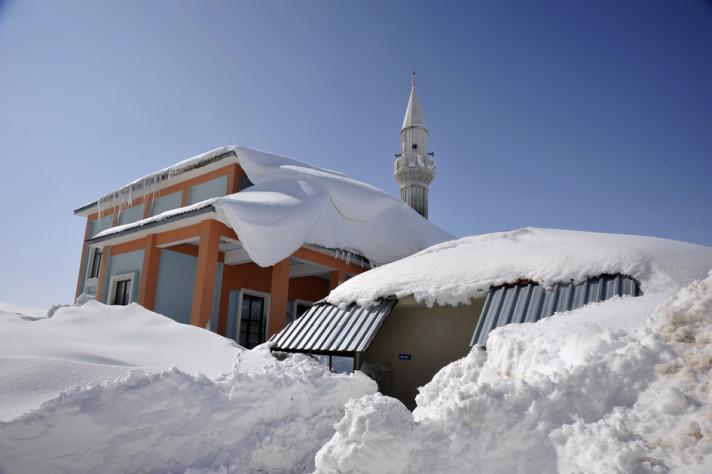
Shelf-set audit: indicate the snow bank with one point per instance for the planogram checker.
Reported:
(455, 271)
(619, 386)
(263, 415)
(293, 203)
(81, 344)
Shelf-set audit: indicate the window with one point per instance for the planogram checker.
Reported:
(121, 289)
(415, 146)
(252, 321)
(121, 293)
(337, 364)
(299, 307)
(95, 263)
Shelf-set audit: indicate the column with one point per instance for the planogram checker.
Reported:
(149, 273)
(101, 290)
(336, 277)
(205, 274)
(279, 297)
(233, 179)
(83, 262)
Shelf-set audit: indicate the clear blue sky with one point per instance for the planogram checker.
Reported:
(593, 115)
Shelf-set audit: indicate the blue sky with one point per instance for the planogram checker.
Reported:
(593, 115)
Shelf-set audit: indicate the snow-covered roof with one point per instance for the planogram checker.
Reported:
(164, 177)
(456, 271)
(292, 204)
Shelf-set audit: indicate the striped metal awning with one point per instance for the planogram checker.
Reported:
(326, 328)
(530, 302)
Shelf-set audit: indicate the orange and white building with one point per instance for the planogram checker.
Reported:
(240, 241)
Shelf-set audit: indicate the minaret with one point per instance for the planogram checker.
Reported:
(414, 168)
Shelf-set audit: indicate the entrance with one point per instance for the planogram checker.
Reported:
(252, 321)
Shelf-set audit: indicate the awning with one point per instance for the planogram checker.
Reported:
(325, 328)
(531, 302)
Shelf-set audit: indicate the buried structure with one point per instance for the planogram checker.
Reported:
(402, 322)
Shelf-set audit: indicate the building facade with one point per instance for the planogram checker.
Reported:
(192, 267)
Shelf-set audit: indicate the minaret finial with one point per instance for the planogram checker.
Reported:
(413, 78)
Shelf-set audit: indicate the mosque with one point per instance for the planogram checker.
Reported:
(243, 242)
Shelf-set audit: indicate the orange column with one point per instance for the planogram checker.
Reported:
(233, 179)
(279, 297)
(82, 262)
(336, 277)
(149, 272)
(205, 274)
(101, 287)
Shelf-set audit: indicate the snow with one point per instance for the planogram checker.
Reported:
(81, 344)
(456, 271)
(23, 310)
(292, 204)
(135, 391)
(617, 386)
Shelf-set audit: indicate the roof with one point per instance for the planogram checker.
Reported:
(529, 302)
(325, 328)
(292, 204)
(163, 177)
(454, 272)
(413, 113)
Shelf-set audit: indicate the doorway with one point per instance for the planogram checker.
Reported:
(252, 321)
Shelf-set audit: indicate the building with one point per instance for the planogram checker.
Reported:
(401, 323)
(240, 241)
(414, 167)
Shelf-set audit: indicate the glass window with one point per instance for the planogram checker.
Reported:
(301, 309)
(342, 365)
(95, 264)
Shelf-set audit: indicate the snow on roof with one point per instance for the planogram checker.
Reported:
(455, 271)
(292, 204)
(151, 182)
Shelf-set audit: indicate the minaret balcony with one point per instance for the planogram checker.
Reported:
(414, 161)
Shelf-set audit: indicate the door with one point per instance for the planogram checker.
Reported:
(252, 321)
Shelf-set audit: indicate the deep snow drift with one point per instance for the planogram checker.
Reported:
(617, 386)
(292, 204)
(91, 343)
(262, 414)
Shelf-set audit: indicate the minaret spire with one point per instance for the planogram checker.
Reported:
(414, 168)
